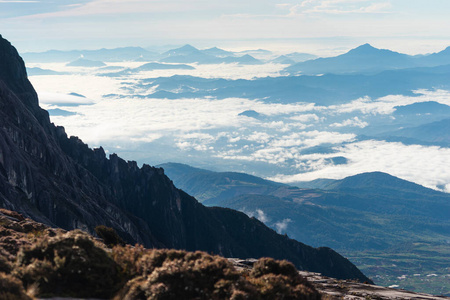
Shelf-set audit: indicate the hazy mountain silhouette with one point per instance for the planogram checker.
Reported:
(368, 60)
(190, 54)
(38, 72)
(82, 62)
(299, 57)
(435, 133)
(283, 59)
(428, 107)
(217, 52)
(108, 55)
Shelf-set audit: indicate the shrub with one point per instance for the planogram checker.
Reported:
(11, 288)
(109, 236)
(5, 265)
(176, 274)
(68, 265)
(280, 280)
(128, 259)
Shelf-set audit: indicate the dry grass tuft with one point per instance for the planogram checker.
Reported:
(11, 288)
(69, 264)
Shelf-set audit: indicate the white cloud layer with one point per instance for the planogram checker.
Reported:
(213, 130)
(425, 165)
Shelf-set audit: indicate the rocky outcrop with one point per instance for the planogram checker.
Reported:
(333, 289)
(61, 182)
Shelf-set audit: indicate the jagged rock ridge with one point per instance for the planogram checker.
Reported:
(61, 182)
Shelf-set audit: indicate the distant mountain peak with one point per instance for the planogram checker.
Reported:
(184, 50)
(374, 180)
(187, 47)
(366, 45)
(364, 48)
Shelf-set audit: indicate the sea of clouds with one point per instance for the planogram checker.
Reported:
(211, 131)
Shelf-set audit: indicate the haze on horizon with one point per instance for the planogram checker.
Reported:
(321, 27)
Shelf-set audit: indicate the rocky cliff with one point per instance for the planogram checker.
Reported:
(61, 182)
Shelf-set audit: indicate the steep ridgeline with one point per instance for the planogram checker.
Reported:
(61, 182)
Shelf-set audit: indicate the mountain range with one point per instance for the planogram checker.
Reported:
(107, 55)
(182, 55)
(322, 90)
(61, 182)
(190, 54)
(369, 60)
(82, 62)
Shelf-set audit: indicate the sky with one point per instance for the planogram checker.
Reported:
(409, 26)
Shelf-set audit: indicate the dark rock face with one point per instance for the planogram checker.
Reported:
(61, 182)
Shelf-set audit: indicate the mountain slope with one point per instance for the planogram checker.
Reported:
(214, 187)
(435, 132)
(60, 181)
(357, 212)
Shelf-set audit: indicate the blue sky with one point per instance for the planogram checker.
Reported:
(414, 26)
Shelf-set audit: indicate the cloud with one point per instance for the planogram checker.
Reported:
(259, 137)
(281, 226)
(386, 105)
(421, 164)
(47, 99)
(18, 1)
(213, 131)
(305, 118)
(354, 122)
(258, 213)
(340, 7)
(226, 71)
(120, 7)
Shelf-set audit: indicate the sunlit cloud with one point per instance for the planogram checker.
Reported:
(354, 122)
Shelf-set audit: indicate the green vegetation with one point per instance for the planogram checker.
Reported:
(423, 267)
